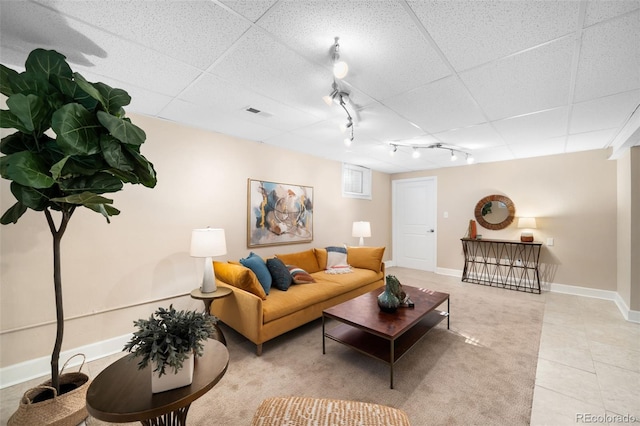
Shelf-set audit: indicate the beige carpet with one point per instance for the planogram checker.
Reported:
(481, 372)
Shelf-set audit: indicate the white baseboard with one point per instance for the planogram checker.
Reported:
(41, 367)
(449, 272)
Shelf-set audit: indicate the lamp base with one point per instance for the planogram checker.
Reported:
(208, 277)
(526, 238)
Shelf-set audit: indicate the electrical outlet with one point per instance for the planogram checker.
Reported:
(518, 262)
(446, 215)
(550, 241)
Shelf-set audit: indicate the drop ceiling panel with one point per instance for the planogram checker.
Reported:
(530, 81)
(441, 105)
(540, 148)
(164, 25)
(603, 113)
(23, 30)
(476, 32)
(251, 10)
(211, 91)
(472, 138)
(211, 119)
(264, 66)
(609, 63)
(533, 127)
(590, 140)
(384, 124)
(378, 39)
(598, 11)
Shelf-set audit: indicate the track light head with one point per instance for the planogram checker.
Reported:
(340, 68)
(415, 153)
(454, 157)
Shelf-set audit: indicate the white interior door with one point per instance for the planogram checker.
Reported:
(414, 223)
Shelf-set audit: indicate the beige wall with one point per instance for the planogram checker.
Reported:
(143, 254)
(572, 196)
(628, 228)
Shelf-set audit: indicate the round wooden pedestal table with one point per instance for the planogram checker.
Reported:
(121, 393)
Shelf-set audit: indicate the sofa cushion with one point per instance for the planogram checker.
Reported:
(302, 259)
(259, 267)
(240, 277)
(365, 257)
(299, 275)
(280, 274)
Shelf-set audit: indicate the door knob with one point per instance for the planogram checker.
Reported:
(431, 230)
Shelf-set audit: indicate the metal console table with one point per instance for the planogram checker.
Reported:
(502, 263)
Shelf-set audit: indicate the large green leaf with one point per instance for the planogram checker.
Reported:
(143, 169)
(27, 169)
(31, 110)
(114, 99)
(84, 165)
(122, 129)
(72, 91)
(13, 213)
(6, 75)
(47, 63)
(56, 169)
(29, 83)
(30, 197)
(77, 130)
(82, 199)
(104, 209)
(99, 183)
(16, 142)
(113, 154)
(8, 120)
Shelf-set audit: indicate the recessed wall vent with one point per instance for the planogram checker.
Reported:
(258, 112)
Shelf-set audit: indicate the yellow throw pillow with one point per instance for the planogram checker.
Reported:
(302, 259)
(321, 257)
(239, 276)
(365, 257)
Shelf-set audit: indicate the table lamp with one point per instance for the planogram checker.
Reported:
(527, 223)
(208, 243)
(361, 230)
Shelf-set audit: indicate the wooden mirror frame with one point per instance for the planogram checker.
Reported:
(495, 226)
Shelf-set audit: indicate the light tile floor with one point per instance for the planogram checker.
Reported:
(588, 364)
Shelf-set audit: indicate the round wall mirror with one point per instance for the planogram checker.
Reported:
(495, 212)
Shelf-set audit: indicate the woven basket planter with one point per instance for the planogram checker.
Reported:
(67, 409)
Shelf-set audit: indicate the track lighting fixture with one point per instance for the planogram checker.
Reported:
(415, 150)
(340, 68)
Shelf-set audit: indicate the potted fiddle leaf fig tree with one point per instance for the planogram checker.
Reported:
(73, 144)
(169, 340)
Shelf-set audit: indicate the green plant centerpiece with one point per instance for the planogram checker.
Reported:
(73, 144)
(392, 296)
(168, 337)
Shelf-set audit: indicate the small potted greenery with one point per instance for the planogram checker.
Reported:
(168, 340)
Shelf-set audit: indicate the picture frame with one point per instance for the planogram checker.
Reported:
(278, 213)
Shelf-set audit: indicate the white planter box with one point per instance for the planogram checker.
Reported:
(169, 381)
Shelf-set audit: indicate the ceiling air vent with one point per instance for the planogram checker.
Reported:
(258, 112)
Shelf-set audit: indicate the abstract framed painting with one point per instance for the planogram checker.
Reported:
(278, 213)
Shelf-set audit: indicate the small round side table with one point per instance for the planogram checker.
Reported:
(208, 299)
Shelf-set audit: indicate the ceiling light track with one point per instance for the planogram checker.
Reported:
(337, 95)
(415, 150)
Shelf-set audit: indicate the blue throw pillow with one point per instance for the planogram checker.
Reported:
(280, 274)
(259, 267)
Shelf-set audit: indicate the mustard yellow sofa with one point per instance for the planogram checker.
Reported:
(260, 317)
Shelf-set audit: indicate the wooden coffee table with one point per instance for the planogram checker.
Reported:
(121, 393)
(385, 336)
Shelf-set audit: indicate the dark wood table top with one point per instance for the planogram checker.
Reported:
(364, 312)
(122, 393)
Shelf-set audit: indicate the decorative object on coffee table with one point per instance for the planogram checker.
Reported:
(168, 340)
(389, 299)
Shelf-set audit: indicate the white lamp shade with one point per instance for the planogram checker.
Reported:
(208, 242)
(361, 229)
(527, 222)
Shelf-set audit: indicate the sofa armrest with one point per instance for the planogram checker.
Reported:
(241, 311)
